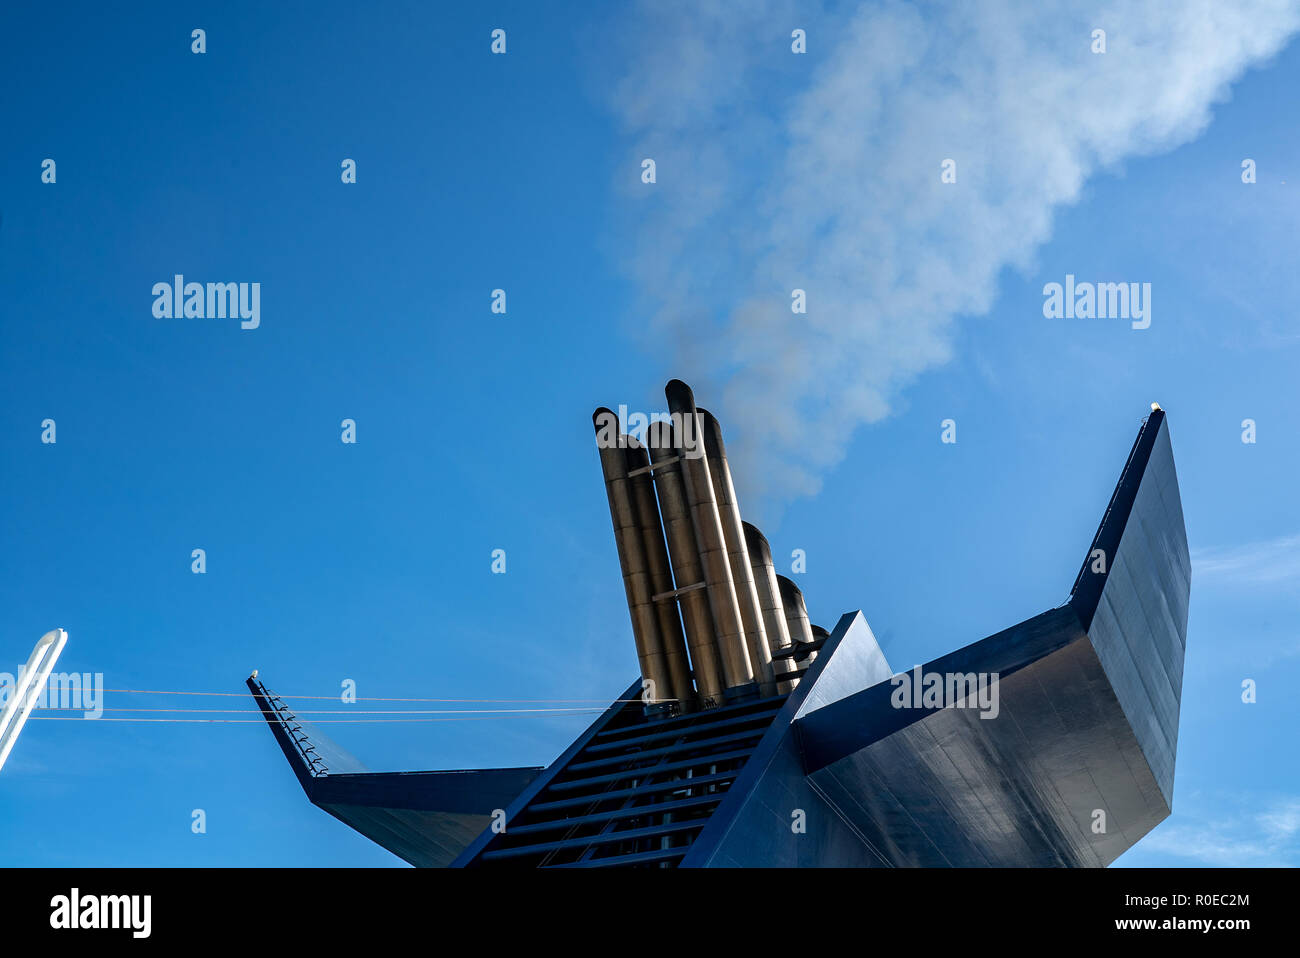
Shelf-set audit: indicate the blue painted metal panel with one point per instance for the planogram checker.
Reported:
(424, 818)
(953, 789)
(522, 800)
(1088, 720)
(1140, 624)
(754, 825)
(639, 792)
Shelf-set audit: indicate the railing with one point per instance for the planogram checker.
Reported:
(315, 764)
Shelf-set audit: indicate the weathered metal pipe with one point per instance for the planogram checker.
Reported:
(769, 598)
(661, 576)
(631, 559)
(688, 573)
(820, 636)
(796, 613)
(742, 574)
(737, 672)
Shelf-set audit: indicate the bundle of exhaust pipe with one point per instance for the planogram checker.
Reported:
(712, 621)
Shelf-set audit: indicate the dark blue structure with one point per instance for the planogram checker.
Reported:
(1067, 759)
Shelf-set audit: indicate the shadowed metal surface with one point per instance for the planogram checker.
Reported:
(1078, 763)
(946, 787)
(774, 815)
(424, 818)
(630, 791)
(1136, 610)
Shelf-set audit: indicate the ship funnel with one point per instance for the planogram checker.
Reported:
(796, 616)
(737, 672)
(612, 444)
(769, 598)
(688, 573)
(742, 573)
(661, 576)
(712, 621)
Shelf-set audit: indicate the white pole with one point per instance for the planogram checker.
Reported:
(28, 689)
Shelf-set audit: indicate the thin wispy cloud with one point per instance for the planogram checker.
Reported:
(821, 172)
(1268, 563)
(1267, 838)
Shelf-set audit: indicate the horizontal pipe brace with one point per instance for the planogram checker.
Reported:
(651, 468)
(673, 594)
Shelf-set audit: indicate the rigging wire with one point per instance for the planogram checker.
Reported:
(589, 707)
(366, 698)
(301, 712)
(258, 721)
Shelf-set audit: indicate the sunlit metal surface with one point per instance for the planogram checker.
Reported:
(737, 672)
(742, 573)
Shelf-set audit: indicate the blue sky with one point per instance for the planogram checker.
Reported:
(371, 561)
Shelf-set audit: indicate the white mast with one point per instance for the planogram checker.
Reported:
(28, 688)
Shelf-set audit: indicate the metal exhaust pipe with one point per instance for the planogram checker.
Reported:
(743, 575)
(769, 598)
(631, 559)
(737, 673)
(688, 573)
(820, 636)
(796, 615)
(661, 576)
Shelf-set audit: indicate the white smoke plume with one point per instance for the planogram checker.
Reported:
(777, 171)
